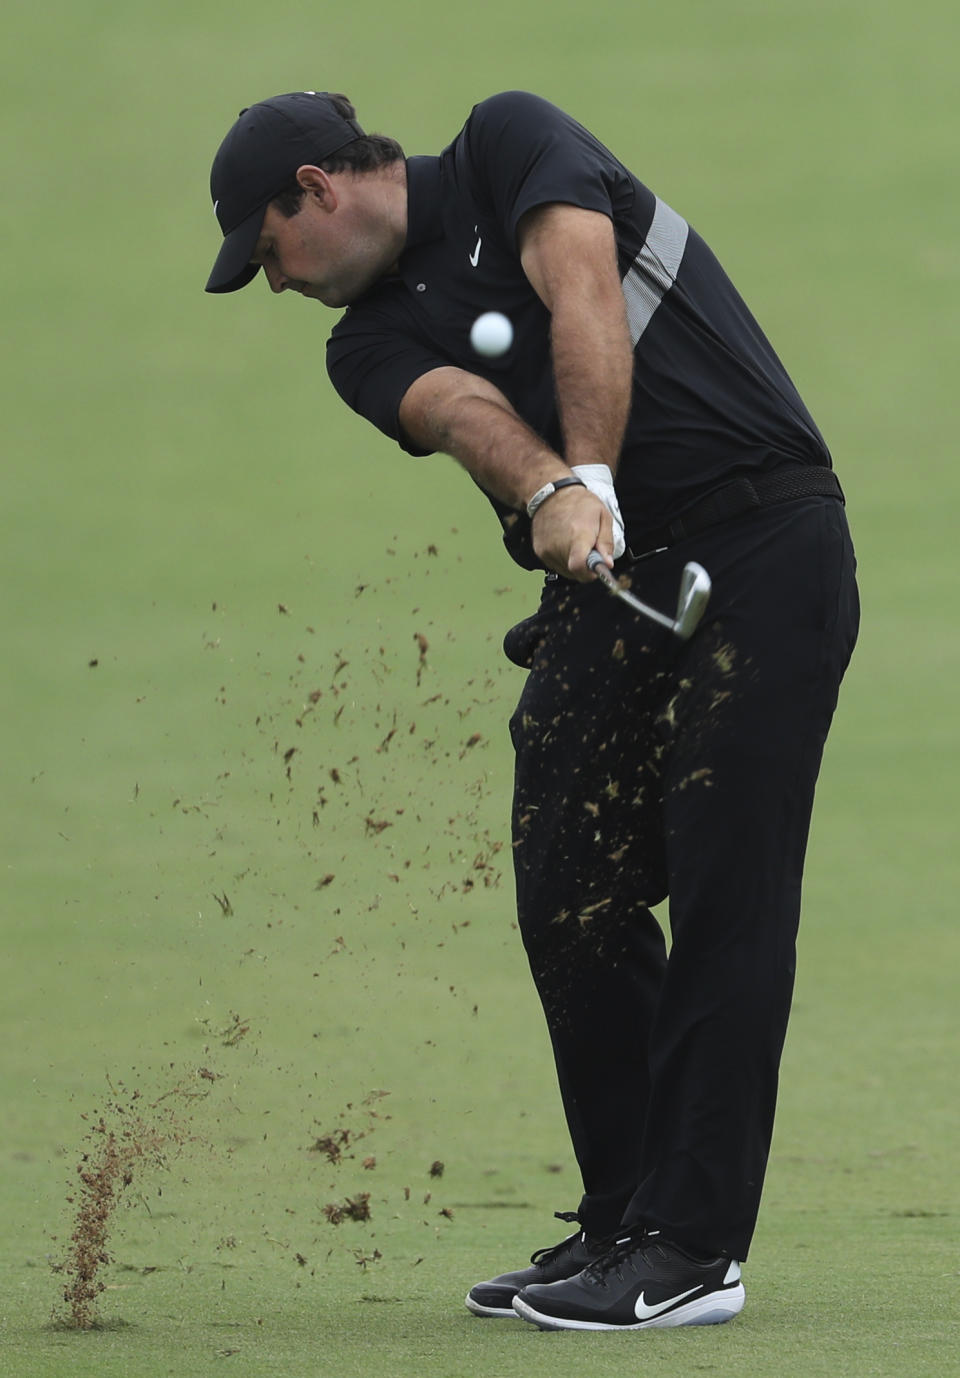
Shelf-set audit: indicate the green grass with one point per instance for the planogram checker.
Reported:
(187, 505)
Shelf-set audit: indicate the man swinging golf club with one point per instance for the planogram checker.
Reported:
(639, 413)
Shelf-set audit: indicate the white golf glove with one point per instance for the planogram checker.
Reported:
(598, 478)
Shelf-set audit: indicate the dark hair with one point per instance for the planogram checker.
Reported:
(361, 155)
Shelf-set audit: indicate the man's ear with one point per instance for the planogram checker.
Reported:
(317, 183)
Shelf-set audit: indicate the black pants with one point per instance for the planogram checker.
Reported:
(646, 768)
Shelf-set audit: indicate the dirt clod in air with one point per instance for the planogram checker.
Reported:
(423, 645)
(353, 1208)
(331, 1145)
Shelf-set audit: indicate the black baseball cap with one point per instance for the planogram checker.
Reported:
(259, 156)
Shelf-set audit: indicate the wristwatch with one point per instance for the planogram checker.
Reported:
(548, 490)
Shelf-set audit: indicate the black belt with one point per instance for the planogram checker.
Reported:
(783, 484)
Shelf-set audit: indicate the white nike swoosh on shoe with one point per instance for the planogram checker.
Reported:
(647, 1313)
(475, 256)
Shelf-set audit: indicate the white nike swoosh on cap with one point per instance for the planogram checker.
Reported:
(647, 1313)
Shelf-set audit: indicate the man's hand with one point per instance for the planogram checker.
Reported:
(467, 417)
(598, 478)
(567, 527)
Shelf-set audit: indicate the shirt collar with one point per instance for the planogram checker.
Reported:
(424, 194)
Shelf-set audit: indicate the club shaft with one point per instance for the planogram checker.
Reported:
(596, 564)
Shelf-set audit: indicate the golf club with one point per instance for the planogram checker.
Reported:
(694, 596)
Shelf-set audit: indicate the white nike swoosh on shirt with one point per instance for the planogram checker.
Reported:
(647, 1313)
(475, 256)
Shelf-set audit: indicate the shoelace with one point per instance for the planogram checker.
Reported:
(638, 1243)
(547, 1255)
(616, 1256)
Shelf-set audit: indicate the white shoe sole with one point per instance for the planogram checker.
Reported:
(489, 1312)
(714, 1309)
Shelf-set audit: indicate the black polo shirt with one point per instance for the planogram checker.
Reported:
(710, 396)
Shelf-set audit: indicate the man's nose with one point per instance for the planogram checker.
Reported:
(276, 279)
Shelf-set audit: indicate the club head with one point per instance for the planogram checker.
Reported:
(694, 595)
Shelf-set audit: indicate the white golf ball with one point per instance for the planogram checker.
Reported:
(491, 334)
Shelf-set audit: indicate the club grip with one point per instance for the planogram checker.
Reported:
(598, 568)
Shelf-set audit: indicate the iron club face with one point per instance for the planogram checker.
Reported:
(694, 596)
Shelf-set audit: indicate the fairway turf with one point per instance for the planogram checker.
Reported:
(256, 768)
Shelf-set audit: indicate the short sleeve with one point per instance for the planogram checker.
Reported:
(525, 152)
(371, 364)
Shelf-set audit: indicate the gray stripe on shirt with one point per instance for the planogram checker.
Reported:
(654, 270)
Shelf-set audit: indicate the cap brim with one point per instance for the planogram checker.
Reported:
(233, 268)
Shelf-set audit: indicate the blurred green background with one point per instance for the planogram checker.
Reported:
(255, 761)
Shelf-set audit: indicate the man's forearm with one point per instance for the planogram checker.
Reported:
(468, 418)
(569, 256)
(593, 374)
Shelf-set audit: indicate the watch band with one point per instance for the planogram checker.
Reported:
(548, 490)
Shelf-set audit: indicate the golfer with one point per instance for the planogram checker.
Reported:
(639, 411)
